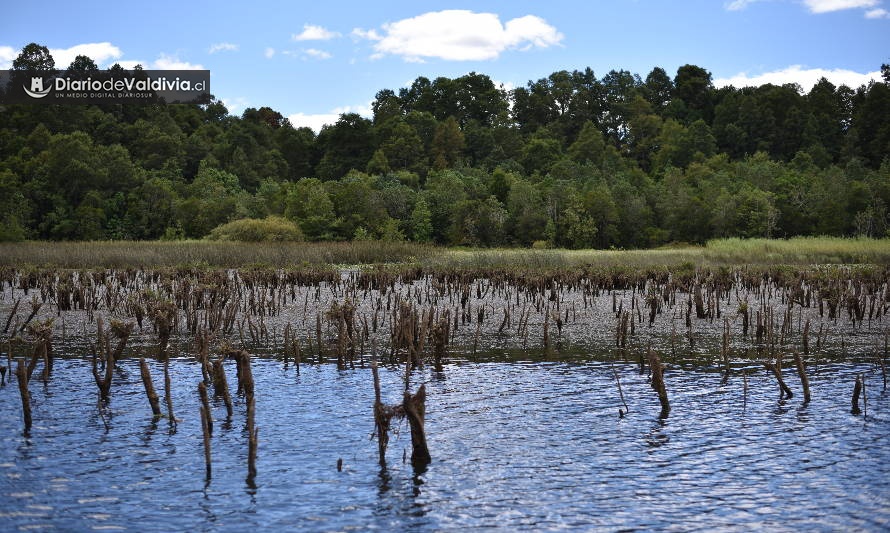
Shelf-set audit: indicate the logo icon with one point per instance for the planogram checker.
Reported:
(37, 90)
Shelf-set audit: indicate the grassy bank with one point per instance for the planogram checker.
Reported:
(121, 254)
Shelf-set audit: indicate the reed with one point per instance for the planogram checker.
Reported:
(153, 254)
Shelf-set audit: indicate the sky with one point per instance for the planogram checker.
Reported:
(311, 61)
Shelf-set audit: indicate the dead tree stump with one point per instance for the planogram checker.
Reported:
(415, 409)
(149, 389)
(22, 375)
(658, 383)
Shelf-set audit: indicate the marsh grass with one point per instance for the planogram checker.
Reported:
(228, 254)
(724, 252)
(799, 250)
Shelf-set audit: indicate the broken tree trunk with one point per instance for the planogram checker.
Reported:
(785, 391)
(149, 389)
(802, 372)
(22, 375)
(415, 409)
(658, 383)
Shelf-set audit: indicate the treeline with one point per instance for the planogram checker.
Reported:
(571, 160)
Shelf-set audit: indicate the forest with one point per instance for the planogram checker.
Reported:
(572, 160)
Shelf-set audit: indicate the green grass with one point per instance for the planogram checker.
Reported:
(724, 252)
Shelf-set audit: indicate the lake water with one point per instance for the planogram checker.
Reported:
(516, 444)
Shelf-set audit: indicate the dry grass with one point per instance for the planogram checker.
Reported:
(728, 252)
(122, 254)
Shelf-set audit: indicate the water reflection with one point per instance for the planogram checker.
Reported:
(531, 445)
(656, 437)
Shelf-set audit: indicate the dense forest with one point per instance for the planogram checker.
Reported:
(571, 160)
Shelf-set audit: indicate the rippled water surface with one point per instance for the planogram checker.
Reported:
(534, 445)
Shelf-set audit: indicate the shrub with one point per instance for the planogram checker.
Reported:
(269, 229)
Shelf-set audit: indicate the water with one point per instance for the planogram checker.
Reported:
(532, 444)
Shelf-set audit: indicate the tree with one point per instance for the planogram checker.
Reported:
(589, 146)
(214, 198)
(309, 204)
(478, 222)
(540, 153)
(34, 57)
(348, 144)
(444, 190)
(448, 143)
(403, 148)
(421, 222)
(527, 216)
(386, 106)
(694, 87)
(83, 63)
(14, 208)
(378, 164)
(658, 89)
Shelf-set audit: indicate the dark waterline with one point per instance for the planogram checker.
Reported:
(533, 445)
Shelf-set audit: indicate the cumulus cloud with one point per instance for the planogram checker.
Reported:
(312, 121)
(235, 105)
(167, 62)
(459, 35)
(222, 47)
(101, 53)
(7, 56)
(269, 52)
(827, 6)
(806, 78)
(315, 33)
(315, 121)
(877, 14)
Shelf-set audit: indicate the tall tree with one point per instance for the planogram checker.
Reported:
(34, 57)
(694, 87)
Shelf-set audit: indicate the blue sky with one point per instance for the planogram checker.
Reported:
(313, 60)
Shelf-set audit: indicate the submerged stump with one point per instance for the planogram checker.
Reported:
(153, 399)
(415, 409)
(658, 383)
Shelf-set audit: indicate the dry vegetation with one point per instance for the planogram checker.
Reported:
(230, 254)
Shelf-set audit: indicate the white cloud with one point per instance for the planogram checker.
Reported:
(737, 5)
(806, 78)
(822, 6)
(877, 14)
(370, 35)
(7, 56)
(315, 33)
(222, 47)
(459, 35)
(167, 62)
(101, 53)
(269, 52)
(235, 105)
(315, 121)
(317, 54)
(827, 6)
